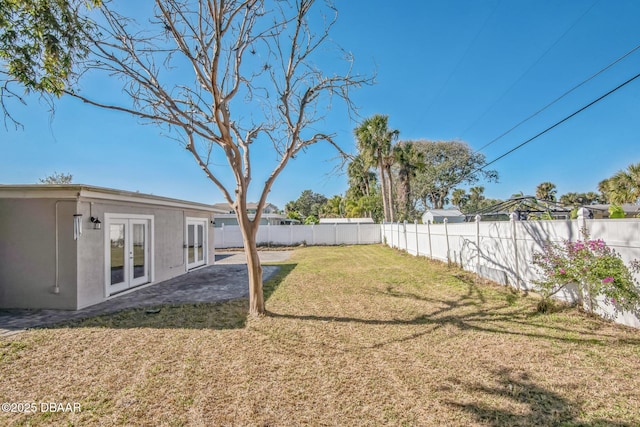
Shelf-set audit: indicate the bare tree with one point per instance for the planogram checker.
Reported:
(225, 76)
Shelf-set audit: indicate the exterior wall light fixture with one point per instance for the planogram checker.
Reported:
(97, 224)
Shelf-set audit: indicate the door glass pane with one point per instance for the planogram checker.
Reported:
(191, 243)
(200, 251)
(139, 262)
(116, 235)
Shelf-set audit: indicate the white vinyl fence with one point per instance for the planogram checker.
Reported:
(503, 251)
(229, 236)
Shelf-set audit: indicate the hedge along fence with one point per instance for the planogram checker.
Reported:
(229, 236)
(503, 251)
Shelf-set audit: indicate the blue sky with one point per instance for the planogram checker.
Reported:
(465, 70)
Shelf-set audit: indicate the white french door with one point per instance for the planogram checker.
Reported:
(128, 260)
(196, 246)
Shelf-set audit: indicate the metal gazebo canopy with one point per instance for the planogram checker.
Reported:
(525, 207)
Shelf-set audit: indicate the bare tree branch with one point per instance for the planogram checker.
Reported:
(228, 76)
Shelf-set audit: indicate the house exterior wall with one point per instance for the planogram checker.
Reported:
(167, 239)
(28, 253)
(28, 242)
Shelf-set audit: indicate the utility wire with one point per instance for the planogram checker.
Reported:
(550, 48)
(559, 98)
(620, 86)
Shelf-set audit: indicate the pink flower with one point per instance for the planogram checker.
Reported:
(607, 279)
(613, 300)
(562, 271)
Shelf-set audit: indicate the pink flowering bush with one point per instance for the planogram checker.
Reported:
(592, 266)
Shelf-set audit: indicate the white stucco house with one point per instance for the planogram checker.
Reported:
(71, 246)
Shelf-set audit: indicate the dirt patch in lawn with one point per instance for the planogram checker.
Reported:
(360, 335)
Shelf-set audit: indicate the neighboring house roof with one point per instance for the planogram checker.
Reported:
(250, 206)
(269, 218)
(223, 207)
(346, 221)
(628, 208)
(76, 191)
(444, 212)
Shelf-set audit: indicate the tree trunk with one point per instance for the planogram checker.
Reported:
(383, 190)
(249, 231)
(405, 185)
(390, 190)
(439, 201)
(254, 271)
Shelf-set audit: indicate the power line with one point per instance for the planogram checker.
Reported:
(620, 86)
(559, 98)
(529, 69)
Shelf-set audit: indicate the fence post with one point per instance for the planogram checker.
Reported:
(583, 214)
(268, 234)
(291, 234)
(391, 233)
(222, 234)
(429, 234)
(415, 222)
(358, 233)
(513, 217)
(446, 234)
(335, 233)
(585, 296)
(313, 234)
(404, 228)
(478, 218)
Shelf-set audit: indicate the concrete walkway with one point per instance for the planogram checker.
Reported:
(225, 280)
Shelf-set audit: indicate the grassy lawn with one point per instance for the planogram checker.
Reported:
(355, 336)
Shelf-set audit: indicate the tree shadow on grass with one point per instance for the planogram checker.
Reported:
(538, 406)
(470, 313)
(226, 314)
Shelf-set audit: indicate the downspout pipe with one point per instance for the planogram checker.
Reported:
(56, 286)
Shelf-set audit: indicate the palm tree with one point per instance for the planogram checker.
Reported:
(361, 179)
(581, 199)
(374, 140)
(459, 197)
(603, 188)
(334, 208)
(388, 161)
(476, 194)
(409, 161)
(624, 186)
(546, 191)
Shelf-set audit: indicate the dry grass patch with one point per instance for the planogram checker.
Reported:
(359, 335)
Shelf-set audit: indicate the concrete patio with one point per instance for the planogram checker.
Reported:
(225, 280)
